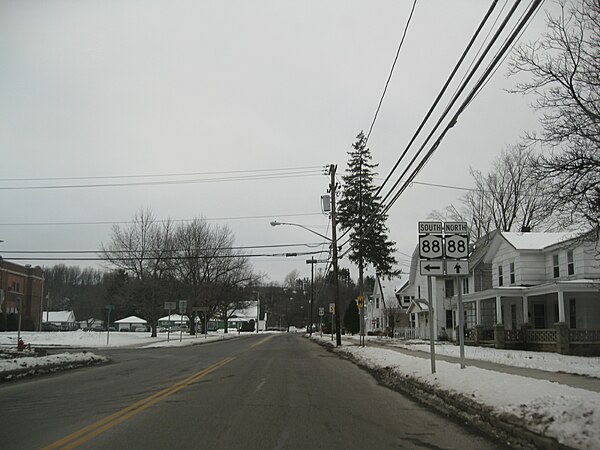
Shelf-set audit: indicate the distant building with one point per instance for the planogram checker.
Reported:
(62, 320)
(22, 285)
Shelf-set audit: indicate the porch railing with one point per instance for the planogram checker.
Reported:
(582, 336)
(412, 333)
(541, 336)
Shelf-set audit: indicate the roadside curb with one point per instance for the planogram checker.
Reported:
(506, 428)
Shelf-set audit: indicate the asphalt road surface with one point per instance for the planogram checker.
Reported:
(255, 392)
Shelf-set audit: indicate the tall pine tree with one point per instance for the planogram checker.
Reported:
(360, 213)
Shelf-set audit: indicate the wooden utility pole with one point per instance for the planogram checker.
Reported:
(336, 286)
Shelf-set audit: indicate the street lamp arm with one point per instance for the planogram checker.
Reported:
(274, 223)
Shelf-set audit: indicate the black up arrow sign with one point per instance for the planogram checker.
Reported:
(457, 267)
(429, 267)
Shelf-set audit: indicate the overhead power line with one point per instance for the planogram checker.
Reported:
(158, 175)
(170, 258)
(508, 43)
(391, 72)
(125, 222)
(275, 176)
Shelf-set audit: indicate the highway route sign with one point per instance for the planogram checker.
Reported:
(456, 246)
(321, 312)
(432, 267)
(430, 246)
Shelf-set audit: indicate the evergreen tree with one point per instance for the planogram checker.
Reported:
(352, 318)
(360, 213)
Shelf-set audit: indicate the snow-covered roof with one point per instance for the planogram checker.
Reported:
(174, 318)
(58, 316)
(417, 306)
(536, 241)
(131, 319)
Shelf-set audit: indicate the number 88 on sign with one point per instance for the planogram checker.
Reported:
(430, 246)
(457, 246)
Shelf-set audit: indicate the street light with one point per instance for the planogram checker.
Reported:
(274, 223)
(333, 241)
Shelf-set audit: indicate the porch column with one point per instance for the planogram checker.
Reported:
(499, 310)
(525, 309)
(561, 307)
(478, 311)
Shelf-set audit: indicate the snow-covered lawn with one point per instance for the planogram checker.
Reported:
(552, 362)
(570, 415)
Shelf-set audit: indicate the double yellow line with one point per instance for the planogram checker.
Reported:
(85, 434)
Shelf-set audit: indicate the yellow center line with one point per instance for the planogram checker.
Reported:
(262, 341)
(93, 430)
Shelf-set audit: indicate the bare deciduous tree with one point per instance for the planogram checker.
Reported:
(508, 198)
(563, 69)
(144, 251)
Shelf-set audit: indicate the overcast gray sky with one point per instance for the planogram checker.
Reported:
(121, 88)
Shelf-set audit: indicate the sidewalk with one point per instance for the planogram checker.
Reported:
(577, 381)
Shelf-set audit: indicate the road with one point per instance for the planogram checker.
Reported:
(256, 392)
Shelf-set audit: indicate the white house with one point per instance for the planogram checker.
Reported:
(64, 320)
(523, 290)
(385, 309)
(131, 323)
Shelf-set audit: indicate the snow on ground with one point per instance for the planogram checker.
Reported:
(570, 415)
(35, 362)
(93, 339)
(552, 362)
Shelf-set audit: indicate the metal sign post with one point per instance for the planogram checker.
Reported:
(332, 311)
(360, 302)
(182, 309)
(431, 320)
(321, 314)
(109, 308)
(169, 306)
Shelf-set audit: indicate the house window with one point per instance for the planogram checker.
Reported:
(377, 323)
(465, 285)
(555, 265)
(572, 313)
(500, 277)
(449, 320)
(570, 263)
(512, 272)
(488, 313)
(377, 302)
(470, 315)
(449, 287)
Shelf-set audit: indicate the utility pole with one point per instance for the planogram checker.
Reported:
(312, 261)
(336, 286)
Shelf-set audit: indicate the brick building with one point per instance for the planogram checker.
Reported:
(23, 284)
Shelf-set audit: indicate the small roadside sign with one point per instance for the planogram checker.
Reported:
(182, 306)
(332, 308)
(321, 311)
(432, 268)
(360, 301)
(457, 268)
(170, 305)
